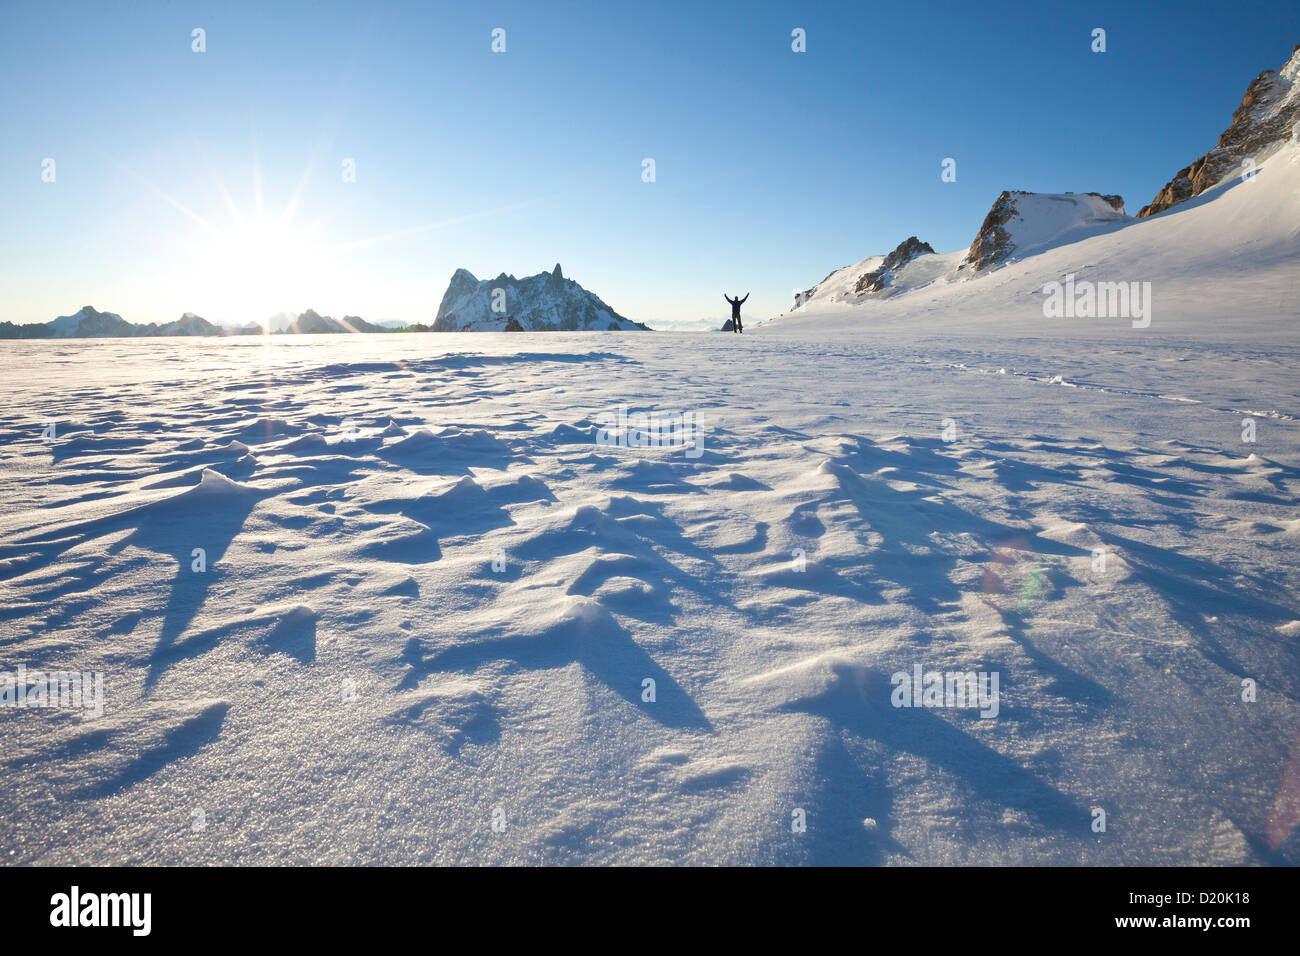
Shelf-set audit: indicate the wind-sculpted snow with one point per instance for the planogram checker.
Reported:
(353, 601)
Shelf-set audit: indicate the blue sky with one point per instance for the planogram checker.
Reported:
(772, 167)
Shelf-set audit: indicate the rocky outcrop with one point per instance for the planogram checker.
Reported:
(995, 241)
(512, 325)
(906, 251)
(800, 298)
(1268, 114)
(873, 274)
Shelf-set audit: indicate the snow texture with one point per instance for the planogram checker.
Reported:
(431, 598)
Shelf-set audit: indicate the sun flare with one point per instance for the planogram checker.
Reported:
(258, 267)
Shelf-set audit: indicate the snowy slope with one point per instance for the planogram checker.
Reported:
(840, 284)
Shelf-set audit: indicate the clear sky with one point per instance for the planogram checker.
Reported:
(213, 182)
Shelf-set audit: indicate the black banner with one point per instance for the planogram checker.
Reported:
(219, 905)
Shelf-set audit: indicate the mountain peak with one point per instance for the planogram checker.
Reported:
(538, 303)
(1267, 116)
(1020, 222)
(86, 322)
(905, 252)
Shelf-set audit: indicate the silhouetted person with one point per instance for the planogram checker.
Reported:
(735, 311)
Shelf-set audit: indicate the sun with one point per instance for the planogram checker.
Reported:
(257, 267)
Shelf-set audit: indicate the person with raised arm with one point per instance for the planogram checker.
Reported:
(735, 311)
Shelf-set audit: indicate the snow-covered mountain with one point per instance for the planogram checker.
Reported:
(1266, 119)
(310, 323)
(1088, 235)
(1232, 251)
(872, 275)
(546, 302)
(88, 322)
(190, 324)
(1019, 225)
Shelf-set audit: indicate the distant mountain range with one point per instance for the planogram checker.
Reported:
(89, 323)
(546, 302)
(541, 303)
